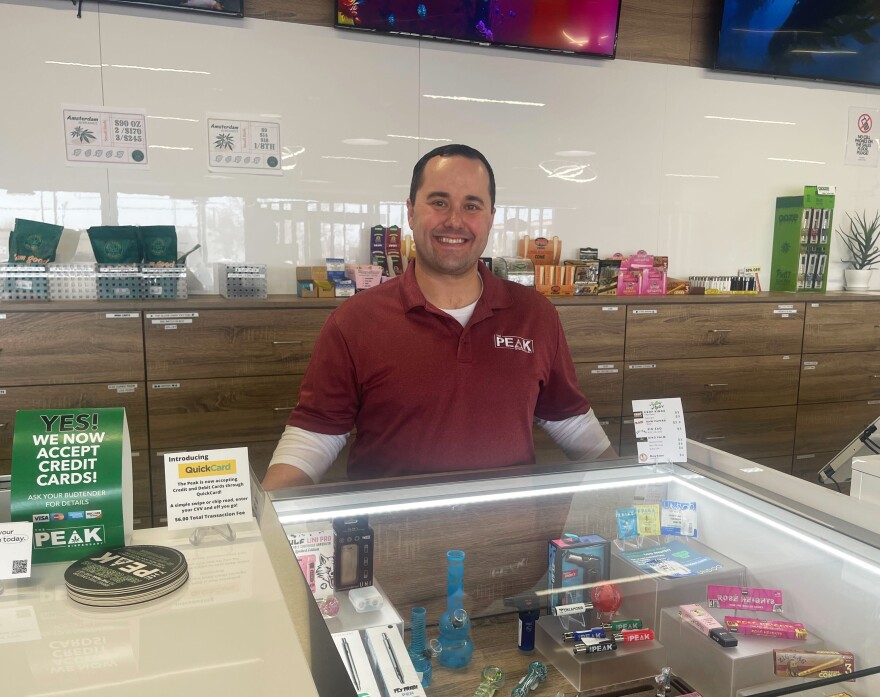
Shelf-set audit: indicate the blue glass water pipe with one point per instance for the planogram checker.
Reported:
(420, 651)
(457, 649)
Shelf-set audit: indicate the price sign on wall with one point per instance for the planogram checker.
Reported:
(105, 137)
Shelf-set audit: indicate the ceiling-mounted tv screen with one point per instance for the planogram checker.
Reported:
(834, 40)
(585, 27)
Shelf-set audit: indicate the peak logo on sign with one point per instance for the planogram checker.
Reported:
(68, 537)
(516, 343)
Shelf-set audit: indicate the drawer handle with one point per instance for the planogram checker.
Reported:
(282, 408)
(275, 343)
(720, 331)
(715, 384)
(714, 437)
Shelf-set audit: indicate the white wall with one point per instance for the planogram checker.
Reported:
(662, 176)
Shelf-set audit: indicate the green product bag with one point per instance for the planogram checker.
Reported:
(33, 242)
(115, 244)
(159, 244)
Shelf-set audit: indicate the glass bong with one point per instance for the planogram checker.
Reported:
(457, 647)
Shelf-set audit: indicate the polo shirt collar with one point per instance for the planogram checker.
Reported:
(495, 295)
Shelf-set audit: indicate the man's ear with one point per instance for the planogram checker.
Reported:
(409, 213)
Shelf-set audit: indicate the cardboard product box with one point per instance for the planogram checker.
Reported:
(541, 250)
(574, 561)
(357, 663)
(392, 664)
(364, 275)
(802, 241)
(312, 544)
(353, 550)
(305, 283)
(343, 288)
(554, 280)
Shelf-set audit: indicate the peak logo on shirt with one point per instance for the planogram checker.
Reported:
(517, 343)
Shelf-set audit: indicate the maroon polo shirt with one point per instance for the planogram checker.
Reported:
(425, 394)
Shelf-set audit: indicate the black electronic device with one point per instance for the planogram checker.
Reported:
(581, 27)
(834, 41)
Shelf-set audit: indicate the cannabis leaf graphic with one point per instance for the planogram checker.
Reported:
(223, 141)
(84, 134)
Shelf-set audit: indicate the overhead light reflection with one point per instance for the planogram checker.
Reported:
(359, 159)
(167, 147)
(433, 140)
(568, 171)
(733, 118)
(694, 176)
(172, 118)
(805, 162)
(159, 70)
(77, 65)
(482, 100)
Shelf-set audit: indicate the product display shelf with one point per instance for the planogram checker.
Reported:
(808, 542)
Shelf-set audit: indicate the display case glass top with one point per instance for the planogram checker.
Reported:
(537, 538)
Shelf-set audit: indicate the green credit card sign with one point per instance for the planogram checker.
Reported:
(71, 473)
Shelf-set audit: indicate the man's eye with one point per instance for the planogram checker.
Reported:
(438, 203)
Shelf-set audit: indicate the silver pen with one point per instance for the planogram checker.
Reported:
(352, 671)
(393, 657)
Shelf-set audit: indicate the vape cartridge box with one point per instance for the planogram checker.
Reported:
(392, 663)
(312, 543)
(801, 230)
(353, 552)
(354, 655)
(576, 560)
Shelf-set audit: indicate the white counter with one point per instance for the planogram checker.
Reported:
(227, 631)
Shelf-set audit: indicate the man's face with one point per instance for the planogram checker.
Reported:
(451, 216)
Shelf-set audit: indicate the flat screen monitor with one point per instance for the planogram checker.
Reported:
(839, 468)
(833, 40)
(585, 27)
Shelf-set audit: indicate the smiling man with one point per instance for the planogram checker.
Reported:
(446, 367)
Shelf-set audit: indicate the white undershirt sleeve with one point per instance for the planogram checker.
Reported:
(580, 437)
(311, 452)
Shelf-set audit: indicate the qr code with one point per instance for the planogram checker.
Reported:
(19, 566)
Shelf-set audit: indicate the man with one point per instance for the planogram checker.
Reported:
(444, 368)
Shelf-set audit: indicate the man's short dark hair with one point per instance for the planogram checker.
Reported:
(454, 150)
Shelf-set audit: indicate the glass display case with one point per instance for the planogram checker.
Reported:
(781, 568)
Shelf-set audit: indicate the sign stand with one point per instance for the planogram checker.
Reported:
(225, 531)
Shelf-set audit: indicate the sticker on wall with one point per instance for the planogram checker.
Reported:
(105, 137)
(244, 146)
(862, 142)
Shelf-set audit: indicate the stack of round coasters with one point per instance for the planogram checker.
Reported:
(126, 575)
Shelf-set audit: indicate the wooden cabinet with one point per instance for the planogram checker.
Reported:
(129, 396)
(842, 326)
(775, 379)
(220, 410)
(230, 343)
(839, 377)
(50, 348)
(595, 332)
(712, 330)
(714, 383)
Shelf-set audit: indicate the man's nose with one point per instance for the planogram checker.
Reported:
(455, 218)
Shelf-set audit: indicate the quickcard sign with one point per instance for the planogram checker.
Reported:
(71, 474)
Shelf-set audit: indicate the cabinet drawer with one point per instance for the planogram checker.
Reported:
(602, 384)
(130, 396)
(753, 434)
(749, 433)
(220, 411)
(692, 331)
(594, 333)
(46, 348)
(832, 326)
(548, 453)
(829, 427)
(714, 383)
(840, 377)
(230, 343)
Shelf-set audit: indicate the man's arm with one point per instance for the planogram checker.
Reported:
(580, 437)
(301, 457)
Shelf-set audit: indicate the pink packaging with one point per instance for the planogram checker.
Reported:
(744, 598)
(653, 282)
(641, 260)
(628, 282)
(777, 629)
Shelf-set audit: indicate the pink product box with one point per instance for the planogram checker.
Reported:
(745, 598)
(364, 275)
(652, 282)
(776, 629)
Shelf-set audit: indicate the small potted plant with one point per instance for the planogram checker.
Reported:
(861, 239)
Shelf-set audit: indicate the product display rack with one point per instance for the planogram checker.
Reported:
(819, 547)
